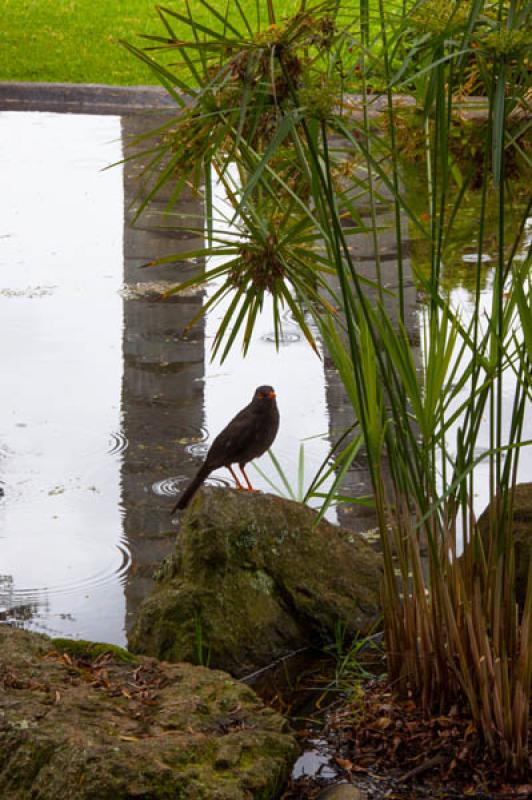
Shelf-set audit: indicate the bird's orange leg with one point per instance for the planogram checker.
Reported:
(250, 487)
(235, 476)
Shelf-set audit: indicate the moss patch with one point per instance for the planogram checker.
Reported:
(93, 650)
(113, 731)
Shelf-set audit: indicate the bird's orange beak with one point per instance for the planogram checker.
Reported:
(271, 395)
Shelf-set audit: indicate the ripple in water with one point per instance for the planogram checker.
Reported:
(225, 483)
(472, 258)
(14, 597)
(168, 487)
(284, 338)
(172, 486)
(193, 436)
(289, 318)
(198, 449)
(117, 443)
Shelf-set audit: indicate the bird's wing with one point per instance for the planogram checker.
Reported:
(233, 440)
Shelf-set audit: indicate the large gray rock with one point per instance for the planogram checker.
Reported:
(87, 725)
(522, 531)
(253, 578)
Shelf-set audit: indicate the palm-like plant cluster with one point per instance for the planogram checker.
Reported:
(313, 170)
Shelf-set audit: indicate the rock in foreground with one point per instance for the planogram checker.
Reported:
(252, 579)
(522, 531)
(110, 730)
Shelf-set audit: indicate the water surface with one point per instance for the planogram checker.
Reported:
(107, 405)
(62, 551)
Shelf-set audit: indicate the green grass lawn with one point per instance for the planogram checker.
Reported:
(77, 41)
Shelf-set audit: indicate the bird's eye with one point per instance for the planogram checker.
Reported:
(260, 395)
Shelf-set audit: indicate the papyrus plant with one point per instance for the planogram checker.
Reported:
(273, 96)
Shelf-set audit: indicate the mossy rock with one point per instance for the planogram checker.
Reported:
(254, 578)
(117, 731)
(81, 648)
(522, 531)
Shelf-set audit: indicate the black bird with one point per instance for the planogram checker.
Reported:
(246, 437)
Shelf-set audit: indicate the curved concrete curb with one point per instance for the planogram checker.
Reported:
(100, 98)
(83, 98)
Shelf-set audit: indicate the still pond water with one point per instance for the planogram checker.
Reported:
(106, 409)
(106, 406)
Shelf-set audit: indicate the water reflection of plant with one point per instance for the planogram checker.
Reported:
(453, 631)
(467, 135)
(332, 470)
(12, 608)
(460, 249)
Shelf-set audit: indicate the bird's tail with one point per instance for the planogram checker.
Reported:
(192, 488)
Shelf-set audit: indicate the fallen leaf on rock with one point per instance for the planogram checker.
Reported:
(344, 763)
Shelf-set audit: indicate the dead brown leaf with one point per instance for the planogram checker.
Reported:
(344, 763)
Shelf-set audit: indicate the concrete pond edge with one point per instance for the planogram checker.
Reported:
(97, 98)
(83, 98)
